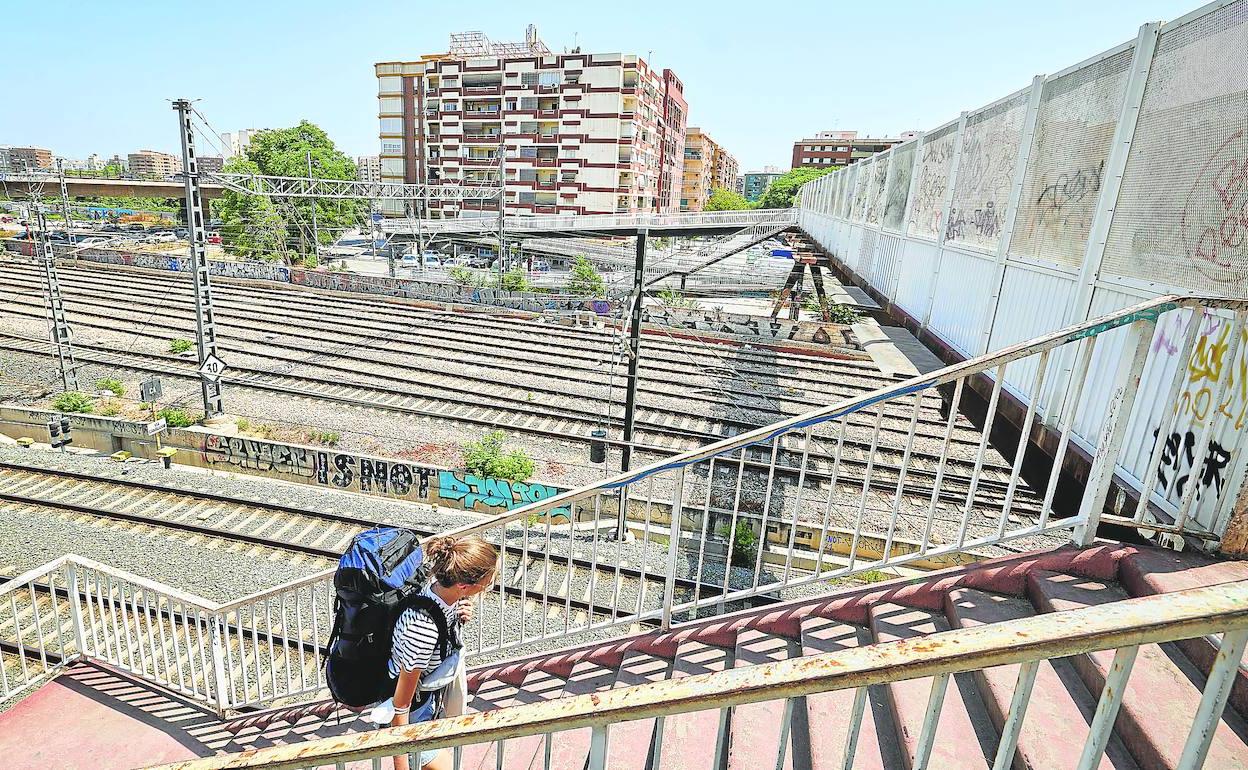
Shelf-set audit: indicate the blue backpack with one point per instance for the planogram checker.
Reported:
(382, 574)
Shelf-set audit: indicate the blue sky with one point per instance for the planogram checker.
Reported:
(757, 75)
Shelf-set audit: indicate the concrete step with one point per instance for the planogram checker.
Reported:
(631, 744)
(693, 741)
(965, 738)
(1157, 571)
(1060, 704)
(525, 752)
(756, 728)
(1162, 693)
(828, 714)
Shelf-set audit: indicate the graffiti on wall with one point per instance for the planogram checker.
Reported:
(469, 490)
(370, 475)
(1214, 221)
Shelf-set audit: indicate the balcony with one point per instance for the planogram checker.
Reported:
(548, 113)
(483, 138)
(547, 161)
(496, 90)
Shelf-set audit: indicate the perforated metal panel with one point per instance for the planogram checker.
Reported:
(902, 165)
(932, 182)
(862, 186)
(875, 193)
(985, 173)
(847, 191)
(1182, 214)
(1074, 131)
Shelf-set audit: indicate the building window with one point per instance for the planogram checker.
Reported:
(549, 78)
(391, 147)
(391, 125)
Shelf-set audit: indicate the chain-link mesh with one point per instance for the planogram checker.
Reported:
(902, 166)
(985, 173)
(875, 193)
(1074, 132)
(1182, 214)
(931, 183)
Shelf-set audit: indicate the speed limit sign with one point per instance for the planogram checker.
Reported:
(212, 368)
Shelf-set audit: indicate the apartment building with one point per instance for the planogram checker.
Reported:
(579, 133)
(146, 163)
(367, 168)
(30, 159)
(708, 166)
(838, 148)
(756, 182)
(235, 143)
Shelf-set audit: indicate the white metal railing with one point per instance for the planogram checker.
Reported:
(829, 493)
(1123, 626)
(562, 223)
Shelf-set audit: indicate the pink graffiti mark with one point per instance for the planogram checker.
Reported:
(1215, 217)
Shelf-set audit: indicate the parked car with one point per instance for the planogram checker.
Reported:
(93, 240)
(182, 232)
(215, 239)
(480, 261)
(541, 266)
(135, 227)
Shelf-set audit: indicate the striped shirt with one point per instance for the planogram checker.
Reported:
(415, 646)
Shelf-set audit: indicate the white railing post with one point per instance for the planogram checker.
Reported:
(1026, 139)
(1114, 431)
(673, 549)
(75, 610)
(222, 687)
(945, 210)
(1115, 169)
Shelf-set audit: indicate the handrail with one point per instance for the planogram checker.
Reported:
(1145, 310)
(1128, 623)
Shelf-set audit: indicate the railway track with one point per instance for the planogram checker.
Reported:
(661, 430)
(280, 528)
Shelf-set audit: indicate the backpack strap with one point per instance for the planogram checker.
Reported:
(430, 607)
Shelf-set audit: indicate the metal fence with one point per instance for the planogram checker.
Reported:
(1118, 179)
(772, 513)
(1027, 643)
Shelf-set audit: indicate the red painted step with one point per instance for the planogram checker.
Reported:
(828, 714)
(1162, 693)
(965, 739)
(528, 751)
(692, 741)
(1060, 704)
(1158, 571)
(630, 744)
(754, 739)
(570, 749)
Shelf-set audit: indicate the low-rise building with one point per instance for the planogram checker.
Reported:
(836, 148)
(145, 163)
(30, 159)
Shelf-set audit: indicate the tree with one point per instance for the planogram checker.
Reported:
(726, 200)
(586, 281)
(514, 280)
(260, 227)
(251, 226)
(783, 190)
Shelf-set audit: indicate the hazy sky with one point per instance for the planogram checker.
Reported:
(89, 78)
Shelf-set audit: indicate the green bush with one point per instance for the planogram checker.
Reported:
(586, 281)
(180, 346)
(744, 546)
(328, 437)
(837, 313)
(464, 277)
(110, 408)
(671, 298)
(71, 401)
(111, 384)
(514, 280)
(488, 458)
(177, 418)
